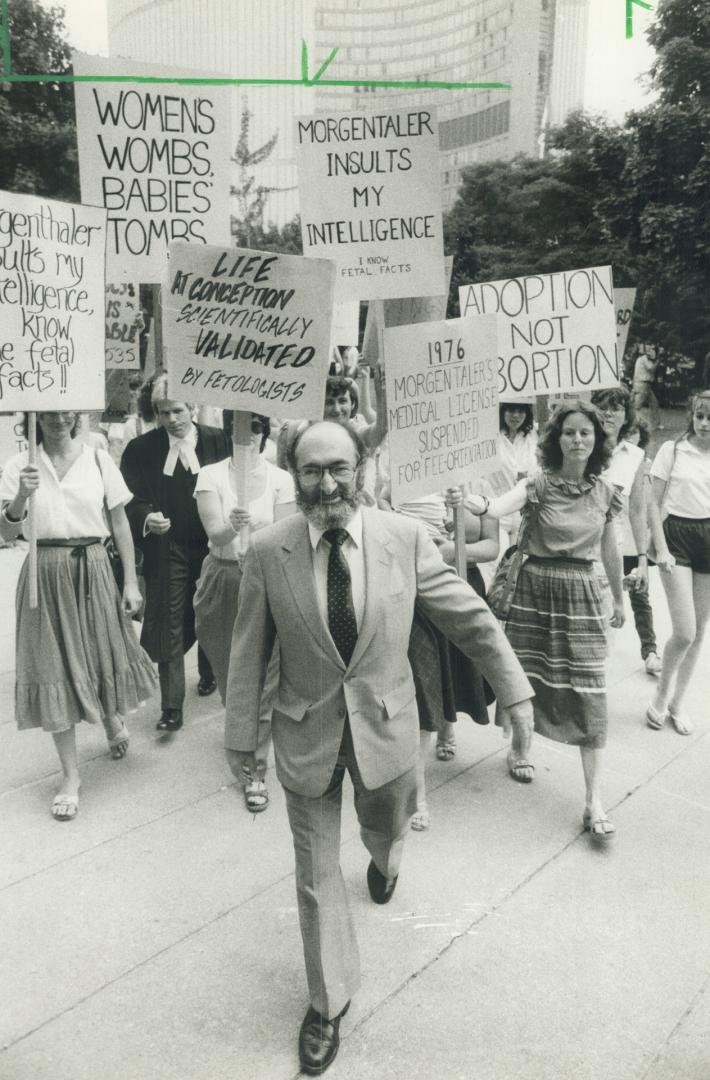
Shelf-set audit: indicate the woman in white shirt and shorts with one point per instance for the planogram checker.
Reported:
(681, 487)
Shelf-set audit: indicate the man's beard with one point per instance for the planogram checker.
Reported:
(326, 515)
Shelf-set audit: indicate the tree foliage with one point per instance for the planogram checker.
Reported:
(248, 225)
(37, 125)
(635, 195)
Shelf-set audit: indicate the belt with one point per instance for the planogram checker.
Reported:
(78, 546)
(560, 560)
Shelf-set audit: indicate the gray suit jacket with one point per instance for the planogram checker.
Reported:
(277, 599)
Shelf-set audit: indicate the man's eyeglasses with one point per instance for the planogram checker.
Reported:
(312, 475)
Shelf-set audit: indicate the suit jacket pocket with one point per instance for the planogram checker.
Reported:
(290, 704)
(395, 700)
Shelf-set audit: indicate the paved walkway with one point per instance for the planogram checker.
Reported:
(156, 937)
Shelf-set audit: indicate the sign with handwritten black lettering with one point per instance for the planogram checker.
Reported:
(157, 158)
(124, 323)
(248, 330)
(370, 196)
(624, 300)
(556, 332)
(51, 304)
(442, 404)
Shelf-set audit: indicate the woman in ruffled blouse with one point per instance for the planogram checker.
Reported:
(556, 623)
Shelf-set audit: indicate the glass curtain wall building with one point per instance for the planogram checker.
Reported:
(241, 39)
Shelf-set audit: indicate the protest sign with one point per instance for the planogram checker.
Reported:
(346, 323)
(52, 304)
(248, 330)
(124, 323)
(402, 312)
(12, 436)
(624, 300)
(442, 404)
(370, 197)
(556, 332)
(156, 157)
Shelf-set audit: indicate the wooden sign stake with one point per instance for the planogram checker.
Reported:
(460, 541)
(31, 512)
(241, 460)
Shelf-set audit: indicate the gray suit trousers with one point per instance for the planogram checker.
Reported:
(329, 943)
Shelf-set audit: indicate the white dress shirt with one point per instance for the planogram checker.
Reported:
(354, 557)
(185, 450)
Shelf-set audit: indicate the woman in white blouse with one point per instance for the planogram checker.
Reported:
(77, 657)
(270, 497)
(516, 458)
(681, 488)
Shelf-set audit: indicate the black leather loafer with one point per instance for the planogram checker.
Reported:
(380, 891)
(205, 687)
(171, 720)
(318, 1041)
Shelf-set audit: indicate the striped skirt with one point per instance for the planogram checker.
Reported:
(557, 627)
(77, 654)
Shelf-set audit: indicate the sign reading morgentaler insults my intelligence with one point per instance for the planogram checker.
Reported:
(157, 158)
(370, 197)
(442, 404)
(248, 330)
(556, 332)
(51, 304)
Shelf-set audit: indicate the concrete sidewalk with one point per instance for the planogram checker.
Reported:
(156, 937)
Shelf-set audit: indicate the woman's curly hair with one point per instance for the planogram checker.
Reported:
(549, 450)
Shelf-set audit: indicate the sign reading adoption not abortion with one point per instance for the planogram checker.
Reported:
(442, 404)
(156, 157)
(370, 197)
(124, 323)
(556, 332)
(248, 330)
(51, 304)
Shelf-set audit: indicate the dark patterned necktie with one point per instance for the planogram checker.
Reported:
(341, 613)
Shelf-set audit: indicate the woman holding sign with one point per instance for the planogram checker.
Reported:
(556, 622)
(271, 496)
(77, 655)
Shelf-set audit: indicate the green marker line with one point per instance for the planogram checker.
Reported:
(630, 15)
(5, 41)
(167, 81)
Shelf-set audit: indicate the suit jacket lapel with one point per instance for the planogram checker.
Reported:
(298, 568)
(378, 563)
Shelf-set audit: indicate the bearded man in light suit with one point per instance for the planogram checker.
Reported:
(337, 588)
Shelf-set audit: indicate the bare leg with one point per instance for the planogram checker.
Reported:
(421, 818)
(446, 743)
(679, 590)
(66, 799)
(701, 603)
(595, 818)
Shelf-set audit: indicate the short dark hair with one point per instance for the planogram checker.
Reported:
(26, 423)
(615, 396)
(292, 448)
(550, 453)
(335, 385)
(527, 425)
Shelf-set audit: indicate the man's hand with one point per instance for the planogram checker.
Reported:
(518, 717)
(157, 523)
(243, 764)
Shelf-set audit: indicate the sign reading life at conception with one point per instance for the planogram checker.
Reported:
(248, 330)
(155, 156)
(556, 332)
(51, 304)
(370, 197)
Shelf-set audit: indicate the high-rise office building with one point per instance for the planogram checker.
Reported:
(570, 58)
(509, 41)
(237, 38)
